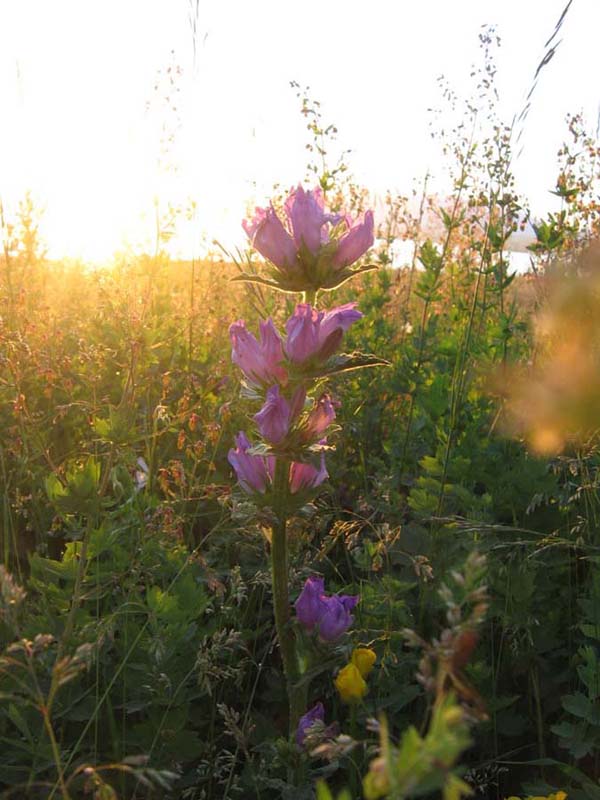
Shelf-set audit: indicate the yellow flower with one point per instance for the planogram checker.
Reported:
(350, 684)
(554, 796)
(363, 659)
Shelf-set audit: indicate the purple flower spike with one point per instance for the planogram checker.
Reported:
(309, 605)
(336, 617)
(307, 217)
(252, 471)
(260, 363)
(355, 243)
(268, 235)
(315, 714)
(305, 476)
(273, 419)
(320, 417)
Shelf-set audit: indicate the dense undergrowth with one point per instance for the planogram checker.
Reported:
(138, 650)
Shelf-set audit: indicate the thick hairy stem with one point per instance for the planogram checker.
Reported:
(281, 599)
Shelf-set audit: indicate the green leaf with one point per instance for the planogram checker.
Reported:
(578, 704)
(20, 722)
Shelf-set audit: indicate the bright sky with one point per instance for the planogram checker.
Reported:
(82, 120)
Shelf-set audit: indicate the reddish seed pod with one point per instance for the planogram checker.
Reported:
(463, 648)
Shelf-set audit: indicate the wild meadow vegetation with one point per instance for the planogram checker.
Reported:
(360, 561)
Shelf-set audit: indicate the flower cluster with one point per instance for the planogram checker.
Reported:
(328, 615)
(351, 686)
(255, 473)
(314, 249)
(312, 337)
(268, 364)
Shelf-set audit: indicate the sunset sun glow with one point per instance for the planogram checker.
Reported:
(113, 112)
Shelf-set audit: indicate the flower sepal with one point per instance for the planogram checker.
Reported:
(248, 391)
(301, 282)
(288, 284)
(341, 362)
(337, 279)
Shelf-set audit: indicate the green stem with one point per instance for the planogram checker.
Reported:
(281, 599)
(56, 755)
(310, 296)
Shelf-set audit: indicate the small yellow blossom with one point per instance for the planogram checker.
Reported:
(363, 659)
(555, 796)
(350, 684)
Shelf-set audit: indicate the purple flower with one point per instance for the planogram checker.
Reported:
(329, 615)
(305, 476)
(270, 238)
(336, 617)
(315, 714)
(305, 211)
(320, 418)
(317, 334)
(274, 418)
(253, 472)
(260, 363)
(338, 319)
(309, 605)
(355, 243)
(302, 333)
